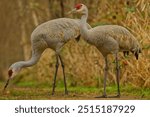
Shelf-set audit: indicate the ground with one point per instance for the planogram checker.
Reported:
(32, 92)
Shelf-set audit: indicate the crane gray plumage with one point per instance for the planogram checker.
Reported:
(113, 38)
(52, 34)
(108, 39)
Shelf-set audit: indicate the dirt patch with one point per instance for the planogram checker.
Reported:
(42, 94)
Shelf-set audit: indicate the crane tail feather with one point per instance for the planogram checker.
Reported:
(125, 53)
(136, 55)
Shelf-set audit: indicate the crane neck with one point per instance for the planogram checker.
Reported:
(21, 64)
(32, 61)
(84, 19)
(83, 24)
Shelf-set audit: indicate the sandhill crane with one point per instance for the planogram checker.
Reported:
(52, 34)
(108, 39)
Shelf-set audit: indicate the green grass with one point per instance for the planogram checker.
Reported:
(34, 90)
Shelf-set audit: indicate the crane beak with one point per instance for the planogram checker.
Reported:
(72, 11)
(10, 72)
(6, 84)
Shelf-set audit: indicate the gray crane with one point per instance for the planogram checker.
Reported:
(52, 34)
(108, 39)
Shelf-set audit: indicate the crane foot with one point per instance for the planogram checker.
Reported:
(66, 92)
(116, 96)
(103, 96)
(53, 92)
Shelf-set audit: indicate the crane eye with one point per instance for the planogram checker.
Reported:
(78, 6)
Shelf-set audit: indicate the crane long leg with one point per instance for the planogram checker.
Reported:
(117, 74)
(117, 77)
(63, 67)
(105, 78)
(54, 80)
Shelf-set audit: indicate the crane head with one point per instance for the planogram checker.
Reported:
(11, 74)
(79, 8)
(14, 70)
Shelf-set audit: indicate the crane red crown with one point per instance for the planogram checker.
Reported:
(10, 73)
(78, 6)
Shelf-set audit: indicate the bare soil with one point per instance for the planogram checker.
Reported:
(45, 94)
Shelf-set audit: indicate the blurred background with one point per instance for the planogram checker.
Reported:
(83, 63)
